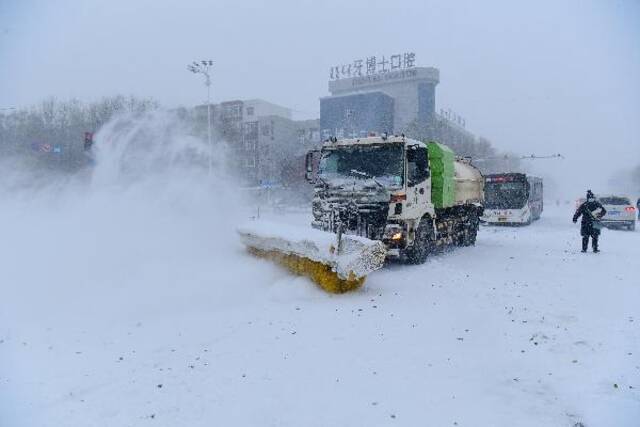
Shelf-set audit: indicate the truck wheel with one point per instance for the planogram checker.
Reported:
(470, 236)
(460, 238)
(471, 232)
(423, 243)
(632, 226)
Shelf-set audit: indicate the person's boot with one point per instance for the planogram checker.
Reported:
(585, 243)
(594, 243)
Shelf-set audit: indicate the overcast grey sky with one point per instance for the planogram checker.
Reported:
(539, 76)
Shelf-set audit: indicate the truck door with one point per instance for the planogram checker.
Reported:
(418, 182)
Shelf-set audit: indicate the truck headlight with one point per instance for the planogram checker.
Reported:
(394, 232)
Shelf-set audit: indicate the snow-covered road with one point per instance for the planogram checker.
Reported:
(521, 330)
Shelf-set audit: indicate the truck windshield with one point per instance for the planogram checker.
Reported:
(382, 163)
(505, 195)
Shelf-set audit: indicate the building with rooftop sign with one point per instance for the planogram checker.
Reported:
(383, 102)
(393, 96)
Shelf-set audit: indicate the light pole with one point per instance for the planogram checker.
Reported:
(204, 67)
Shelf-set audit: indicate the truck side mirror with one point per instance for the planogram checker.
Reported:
(308, 166)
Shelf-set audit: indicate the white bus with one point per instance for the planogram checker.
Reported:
(512, 198)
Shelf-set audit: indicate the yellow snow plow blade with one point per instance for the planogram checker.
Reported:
(336, 268)
(320, 273)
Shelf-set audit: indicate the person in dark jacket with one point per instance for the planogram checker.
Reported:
(591, 211)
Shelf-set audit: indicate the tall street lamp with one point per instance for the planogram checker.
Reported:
(204, 67)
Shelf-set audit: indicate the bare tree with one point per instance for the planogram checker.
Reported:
(51, 134)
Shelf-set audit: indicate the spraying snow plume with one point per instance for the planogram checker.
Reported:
(149, 193)
(132, 153)
(147, 223)
(154, 146)
(138, 221)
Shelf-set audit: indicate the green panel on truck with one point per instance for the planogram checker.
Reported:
(443, 185)
(442, 168)
(439, 151)
(443, 197)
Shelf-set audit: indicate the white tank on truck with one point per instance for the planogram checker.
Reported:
(469, 187)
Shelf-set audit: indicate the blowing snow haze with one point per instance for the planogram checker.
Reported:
(128, 297)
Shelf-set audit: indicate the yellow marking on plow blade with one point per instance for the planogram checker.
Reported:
(318, 272)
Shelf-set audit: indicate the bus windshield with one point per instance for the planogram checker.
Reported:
(505, 195)
(382, 163)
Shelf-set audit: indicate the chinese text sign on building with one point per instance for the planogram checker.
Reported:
(373, 65)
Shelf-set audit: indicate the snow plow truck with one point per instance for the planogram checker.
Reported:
(375, 198)
(413, 197)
